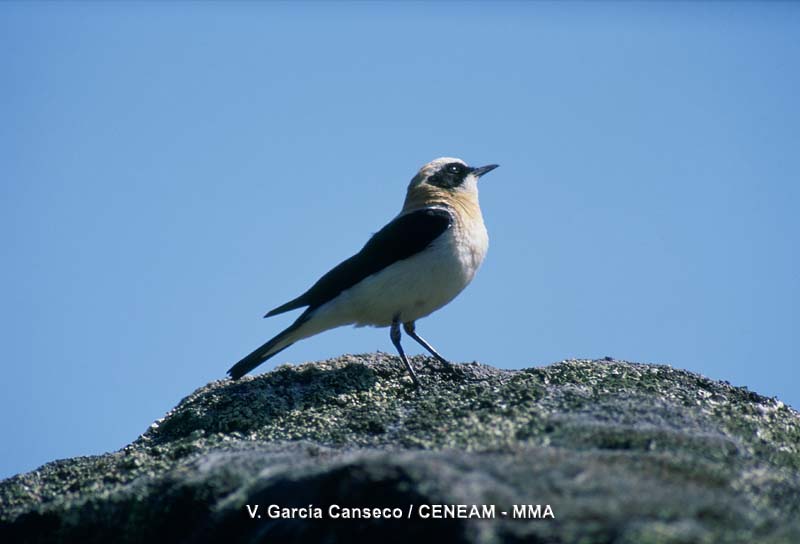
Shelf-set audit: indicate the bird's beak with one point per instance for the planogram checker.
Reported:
(481, 170)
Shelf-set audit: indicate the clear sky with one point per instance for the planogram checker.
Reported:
(169, 172)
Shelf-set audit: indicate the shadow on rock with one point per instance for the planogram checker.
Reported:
(341, 505)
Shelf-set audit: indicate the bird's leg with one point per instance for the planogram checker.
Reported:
(410, 329)
(394, 334)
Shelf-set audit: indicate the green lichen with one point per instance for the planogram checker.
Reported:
(625, 452)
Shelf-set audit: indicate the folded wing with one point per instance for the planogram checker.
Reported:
(404, 237)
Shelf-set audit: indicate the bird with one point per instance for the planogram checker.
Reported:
(420, 261)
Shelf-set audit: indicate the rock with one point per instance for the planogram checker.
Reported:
(603, 451)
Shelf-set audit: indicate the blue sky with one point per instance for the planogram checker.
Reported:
(169, 172)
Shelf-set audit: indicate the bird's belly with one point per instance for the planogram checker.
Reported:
(411, 288)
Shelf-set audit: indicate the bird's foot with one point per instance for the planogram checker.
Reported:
(452, 369)
(411, 373)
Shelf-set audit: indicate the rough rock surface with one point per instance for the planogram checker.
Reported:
(621, 452)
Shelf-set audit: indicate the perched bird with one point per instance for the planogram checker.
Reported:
(410, 268)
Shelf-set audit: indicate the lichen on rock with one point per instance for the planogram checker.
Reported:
(621, 452)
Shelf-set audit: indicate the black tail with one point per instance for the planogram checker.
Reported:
(253, 360)
(263, 353)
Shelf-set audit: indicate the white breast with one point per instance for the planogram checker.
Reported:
(414, 287)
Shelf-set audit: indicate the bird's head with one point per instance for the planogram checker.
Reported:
(445, 178)
(449, 174)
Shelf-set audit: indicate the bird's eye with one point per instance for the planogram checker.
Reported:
(454, 168)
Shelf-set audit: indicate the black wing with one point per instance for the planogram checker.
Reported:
(403, 237)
